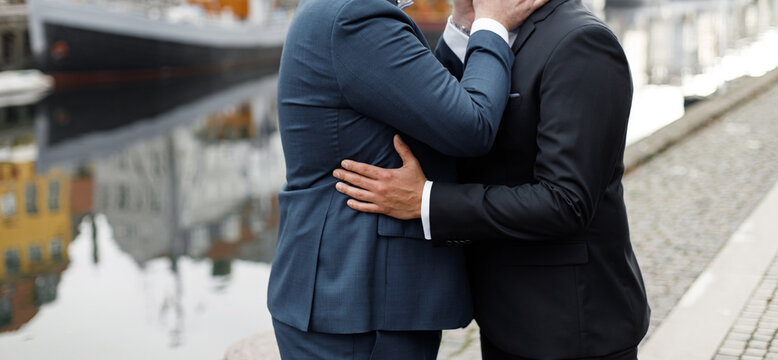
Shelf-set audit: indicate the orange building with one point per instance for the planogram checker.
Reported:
(35, 231)
(430, 15)
(239, 8)
(231, 124)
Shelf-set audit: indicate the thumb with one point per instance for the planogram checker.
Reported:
(405, 152)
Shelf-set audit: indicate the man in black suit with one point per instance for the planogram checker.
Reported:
(552, 269)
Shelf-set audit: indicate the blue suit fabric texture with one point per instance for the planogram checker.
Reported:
(354, 73)
(374, 345)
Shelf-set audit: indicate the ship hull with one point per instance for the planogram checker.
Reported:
(77, 50)
(98, 57)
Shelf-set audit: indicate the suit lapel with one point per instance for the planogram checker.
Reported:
(525, 30)
(528, 27)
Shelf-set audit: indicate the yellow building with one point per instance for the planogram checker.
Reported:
(35, 222)
(230, 124)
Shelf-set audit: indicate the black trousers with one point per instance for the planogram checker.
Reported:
(491, 352)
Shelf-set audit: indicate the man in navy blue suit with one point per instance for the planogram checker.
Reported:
(351, 285)
(552, 271)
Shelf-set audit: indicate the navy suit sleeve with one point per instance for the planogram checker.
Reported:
(447, 57)
(387, 74)
(585, 99)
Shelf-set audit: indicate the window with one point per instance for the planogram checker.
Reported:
(8, 47)
(8, 204)
(31, 198)
(124, 197)
(5, 308)
(54, 195)
(56, 249)
(12, 262)
(45, 289)
(36, 256)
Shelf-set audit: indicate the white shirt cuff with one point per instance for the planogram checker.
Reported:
(425, 209)
(456, 40)
(491, 25)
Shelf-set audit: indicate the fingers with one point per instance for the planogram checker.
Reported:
(405, 152)
(538, 4)
(370, 171)
(355, 193)
(354, 178)
(363, 206)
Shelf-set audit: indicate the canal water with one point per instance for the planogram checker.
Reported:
(139, 221)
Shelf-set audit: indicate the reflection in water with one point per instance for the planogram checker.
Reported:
(172, 190)
(35, 233)
(681, 50)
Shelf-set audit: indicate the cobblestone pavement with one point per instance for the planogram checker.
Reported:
(753, 336)
(685, 203)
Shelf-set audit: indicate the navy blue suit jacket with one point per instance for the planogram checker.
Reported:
(353, 73)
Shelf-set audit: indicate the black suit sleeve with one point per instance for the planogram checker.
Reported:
(449, 60)
(585, 97)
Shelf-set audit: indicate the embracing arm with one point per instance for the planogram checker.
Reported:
(585, 101)
(451, 49)
(385, 73)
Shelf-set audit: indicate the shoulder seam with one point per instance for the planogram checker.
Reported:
(581, 28)
(337, 80)
(332, 45)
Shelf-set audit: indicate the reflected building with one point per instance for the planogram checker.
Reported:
(132, 190)
(35, 231)
(37, 211)
(15, 50)
(670, 42)
(194, 172)
(171, 180)
(179, 169)
(680, 52)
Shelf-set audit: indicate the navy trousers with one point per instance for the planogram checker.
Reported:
(376, 345)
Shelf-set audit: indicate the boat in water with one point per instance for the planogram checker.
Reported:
(82, 42)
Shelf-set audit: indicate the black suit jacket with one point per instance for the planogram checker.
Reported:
(552, 268)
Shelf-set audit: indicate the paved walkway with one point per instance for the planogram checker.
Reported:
(684, 205)
(753, 336)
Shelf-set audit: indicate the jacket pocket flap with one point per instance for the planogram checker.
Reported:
(391, 227)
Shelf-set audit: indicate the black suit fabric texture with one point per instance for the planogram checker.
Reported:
(552, 268)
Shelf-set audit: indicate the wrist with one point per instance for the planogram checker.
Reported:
(460, 28)
(495, 17)
(462, 21)
(419, 201)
